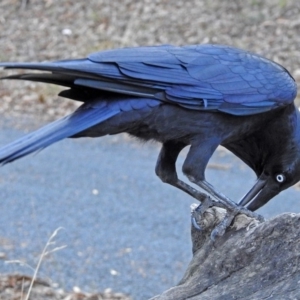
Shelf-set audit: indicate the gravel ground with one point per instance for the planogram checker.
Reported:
(52, 29)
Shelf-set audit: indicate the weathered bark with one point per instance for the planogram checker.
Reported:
(251, 261)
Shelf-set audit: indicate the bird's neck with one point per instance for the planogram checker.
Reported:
(281, 136)
(267, 144)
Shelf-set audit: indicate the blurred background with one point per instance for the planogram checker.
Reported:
(124, 229)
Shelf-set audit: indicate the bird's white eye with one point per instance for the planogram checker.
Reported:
(280, 178)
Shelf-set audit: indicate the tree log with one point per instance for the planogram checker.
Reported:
(252, 260)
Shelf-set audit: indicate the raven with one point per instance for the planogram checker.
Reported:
(198, 95)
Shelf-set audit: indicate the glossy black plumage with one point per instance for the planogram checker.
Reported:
(200, 95)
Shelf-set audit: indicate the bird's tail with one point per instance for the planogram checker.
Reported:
(84, 117)
(86, 85)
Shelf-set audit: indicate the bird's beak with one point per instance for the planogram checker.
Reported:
(259, 194)
(258, 186)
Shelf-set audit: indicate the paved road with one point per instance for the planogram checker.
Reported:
(123, 228)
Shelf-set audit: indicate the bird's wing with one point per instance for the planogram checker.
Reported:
(200, 77)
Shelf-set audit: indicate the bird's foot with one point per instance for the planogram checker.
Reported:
(223, 220)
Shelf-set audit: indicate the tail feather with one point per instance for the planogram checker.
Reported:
(58, 79)
(83, 118)
(87, 75)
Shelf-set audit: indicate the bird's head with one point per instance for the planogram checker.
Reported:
(280, 171)
(274, 179)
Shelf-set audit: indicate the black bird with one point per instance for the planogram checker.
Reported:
(201, 95)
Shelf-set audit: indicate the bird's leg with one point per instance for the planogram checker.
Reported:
(166, 170)
(194, 168)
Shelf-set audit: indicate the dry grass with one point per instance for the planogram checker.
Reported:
(20, 287)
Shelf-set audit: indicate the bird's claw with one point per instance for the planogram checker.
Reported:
(198, 212)
(228, 217)
(220, 229)
(194, 222)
